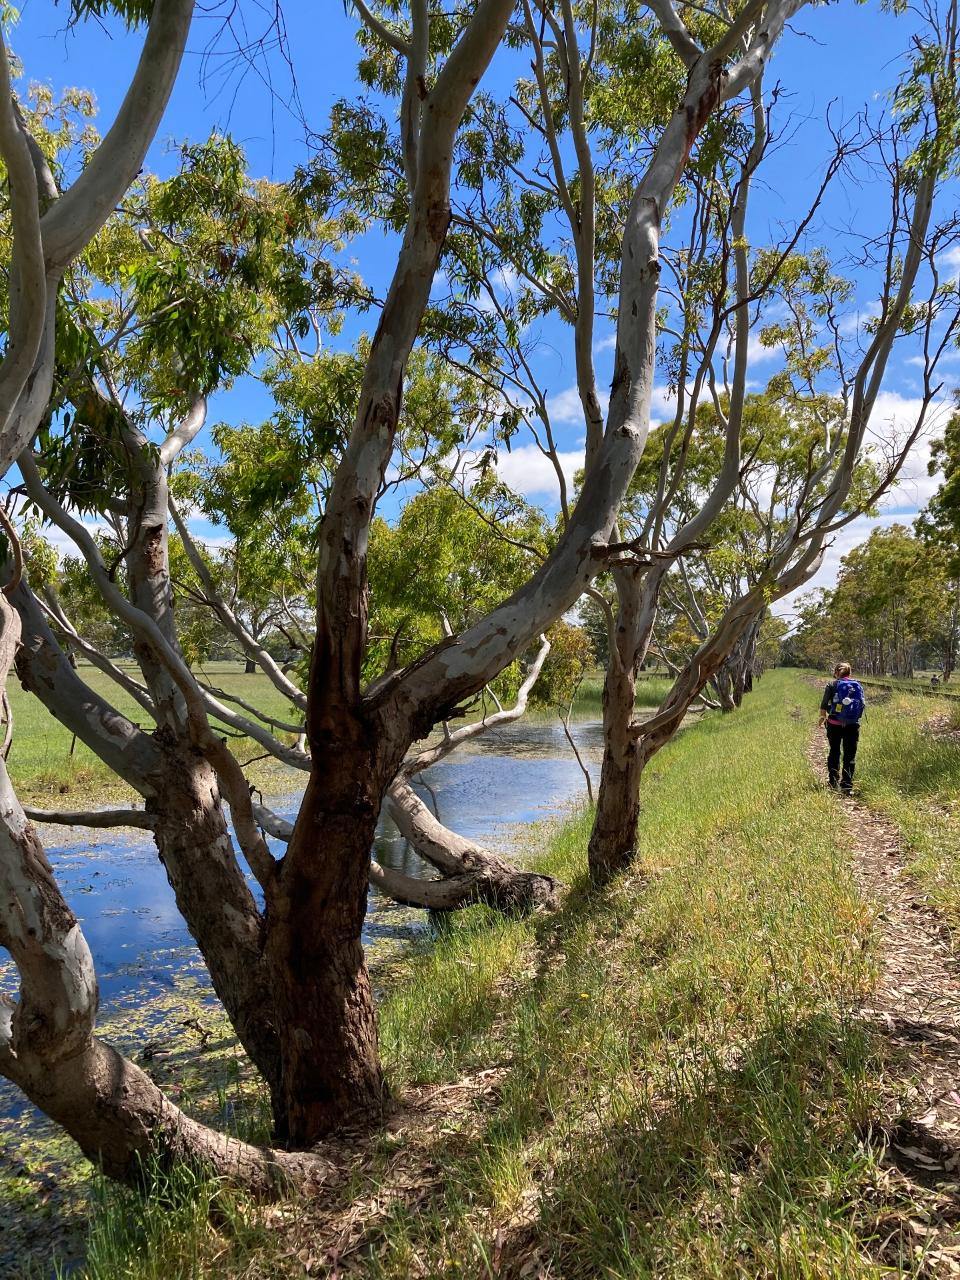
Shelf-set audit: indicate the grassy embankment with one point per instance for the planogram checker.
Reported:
(910, 771)
(680, 1089)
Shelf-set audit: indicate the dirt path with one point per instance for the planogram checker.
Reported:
(915, 1005)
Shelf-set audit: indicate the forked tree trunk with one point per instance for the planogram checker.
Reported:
(722, 684)
(746, 656)
(193, 841)
(118, 1116)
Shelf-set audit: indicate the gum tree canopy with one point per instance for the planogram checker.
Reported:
(291, 972)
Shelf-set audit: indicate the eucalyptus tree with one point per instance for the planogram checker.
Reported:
(320, 1011)
(436, 570)
(543, 183)
(48, 1044)
(893, 599)
(917, 153)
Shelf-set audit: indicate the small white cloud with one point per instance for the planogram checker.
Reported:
(757, 353)
(893, 418)
(854, 321)
(948, 357)
(528, 472)
(505, 279)
(663, 405)
(565, 408)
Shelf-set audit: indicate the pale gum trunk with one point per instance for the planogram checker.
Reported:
(480, 875)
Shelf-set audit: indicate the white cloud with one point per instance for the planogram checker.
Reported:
(528, 472)
(948, 357)
(64, 544)
(853, 321)
(757, 353)
(663, 404)
(504, 279)
(565, 408)
(605, 344)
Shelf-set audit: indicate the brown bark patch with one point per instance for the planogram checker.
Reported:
(153, 554)
(438, 220)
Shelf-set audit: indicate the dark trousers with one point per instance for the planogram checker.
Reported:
(846, 736)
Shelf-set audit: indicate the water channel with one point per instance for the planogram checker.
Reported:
(487, 790)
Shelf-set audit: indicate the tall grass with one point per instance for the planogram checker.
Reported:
(680, 1087)
(683, 1073)
(911, 772)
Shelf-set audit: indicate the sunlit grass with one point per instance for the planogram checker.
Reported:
(685, 1086)
(912, 773)
(52, 769)
(681, 1087)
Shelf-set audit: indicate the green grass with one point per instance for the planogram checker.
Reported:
(912, 774)
(651, 690)
(680, 1088)
(46, 764)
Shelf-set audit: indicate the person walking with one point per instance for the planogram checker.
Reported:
(841, 710)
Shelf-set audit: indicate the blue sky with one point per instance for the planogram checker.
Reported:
(841, 56)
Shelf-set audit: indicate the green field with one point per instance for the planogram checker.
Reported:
(49, 768)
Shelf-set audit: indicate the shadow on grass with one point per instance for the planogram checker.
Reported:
(752, 1168)
(749, 1167)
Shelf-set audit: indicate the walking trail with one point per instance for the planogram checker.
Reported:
(915, 1006)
